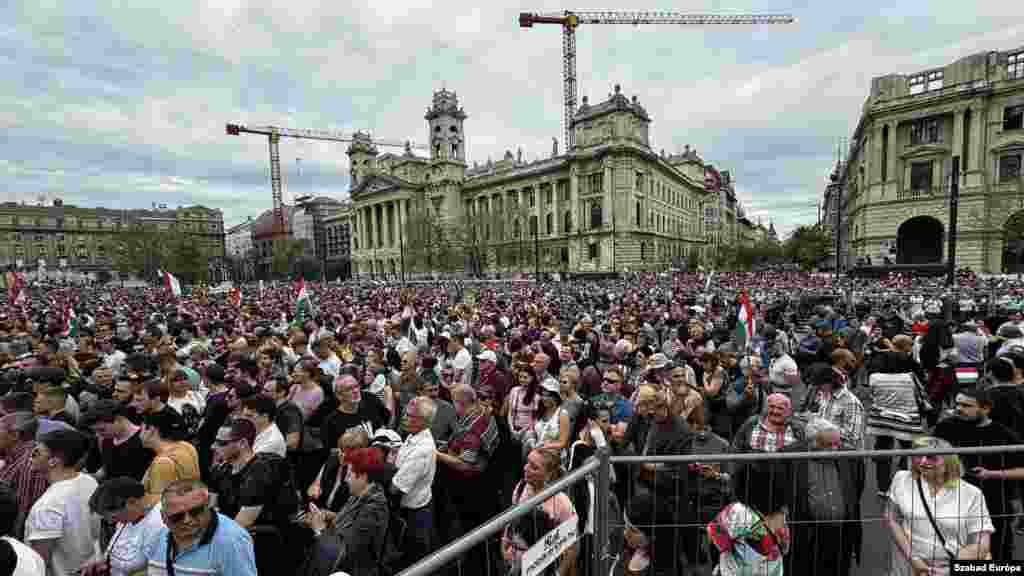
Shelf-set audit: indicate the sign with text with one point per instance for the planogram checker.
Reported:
(550, 547)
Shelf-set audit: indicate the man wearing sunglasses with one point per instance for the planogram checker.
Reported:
(198, 540)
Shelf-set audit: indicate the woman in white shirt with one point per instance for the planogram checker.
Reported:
(121, 501)
(932, 496)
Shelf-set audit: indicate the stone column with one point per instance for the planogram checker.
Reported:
(607, 197)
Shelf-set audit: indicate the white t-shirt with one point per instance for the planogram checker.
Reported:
(127, 546)
(960, 511)
(462, 363)
(30, 563)
(62, 514)
(271, 441)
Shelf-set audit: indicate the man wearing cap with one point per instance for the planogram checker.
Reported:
(120, 441)
(17, 437)
(174, 459)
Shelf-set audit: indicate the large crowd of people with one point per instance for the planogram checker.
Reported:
(362, 428)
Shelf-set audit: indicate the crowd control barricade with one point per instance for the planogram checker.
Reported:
(657, 508)
(825, 535)
(484, 541)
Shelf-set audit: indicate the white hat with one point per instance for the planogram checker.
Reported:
(487, 356)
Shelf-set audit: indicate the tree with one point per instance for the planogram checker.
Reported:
(426, 240)
(808, 246)
(142, 251)
(286, 253)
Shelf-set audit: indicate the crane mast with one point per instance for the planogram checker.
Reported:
(570, 20)
(274, 135)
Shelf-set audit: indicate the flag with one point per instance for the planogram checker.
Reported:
(301, 301)
(744, 322)
(70, 322)
(236, 297)
(15, 288)
(171, 282)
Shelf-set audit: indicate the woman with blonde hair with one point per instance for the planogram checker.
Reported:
(934, 515)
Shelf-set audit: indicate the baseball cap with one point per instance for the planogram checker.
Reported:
(487, 356)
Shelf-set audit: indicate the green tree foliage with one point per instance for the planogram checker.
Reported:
(144, 251)
(426, 241)
(808, 246)
(287, 253)
(757, 255)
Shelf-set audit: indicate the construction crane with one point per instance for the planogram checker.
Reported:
(274, 135)
(570, 20)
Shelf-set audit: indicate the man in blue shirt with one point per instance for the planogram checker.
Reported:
(198, 540)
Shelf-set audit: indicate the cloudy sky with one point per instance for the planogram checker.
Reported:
(123, 104)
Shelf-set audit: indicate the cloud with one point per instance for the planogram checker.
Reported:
(124, 104)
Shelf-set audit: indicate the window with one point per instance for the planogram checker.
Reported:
(455, 150)
(925, 82)
(533, 225)
(1013, 118)
(568, 222)
(548, 196)
(637, 213)
(549, 223)
(595, 183)
(639, 180)
(563, 190)
(1015, 66)
(453, 129)
(533, 198)
(594, 251)
(885, 153)
(921, 176)
(437, 128)
(926, 131)
(1009, 167)
(596, 217)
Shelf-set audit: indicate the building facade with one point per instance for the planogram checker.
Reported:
(610, 204)
(64, 237)
(337, 231)
(895, 185)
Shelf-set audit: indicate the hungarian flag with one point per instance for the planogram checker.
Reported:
(744, 322)
(171, 282)
(301, 301)
(70, 322)
(235, 297)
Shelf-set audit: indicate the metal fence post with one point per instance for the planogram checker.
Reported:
(601, 520)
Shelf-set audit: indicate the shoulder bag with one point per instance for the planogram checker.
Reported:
(931, 518)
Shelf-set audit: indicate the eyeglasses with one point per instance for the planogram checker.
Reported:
(195, 512)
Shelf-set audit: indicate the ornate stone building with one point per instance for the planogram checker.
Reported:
(609, 204)
(894, 186)
(85, 239)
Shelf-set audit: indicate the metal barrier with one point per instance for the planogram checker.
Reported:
(599, 467)
(439, 560)
(819, 546)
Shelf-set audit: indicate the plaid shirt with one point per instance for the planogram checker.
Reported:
(28, 484)
(474, 440)
(843, 409)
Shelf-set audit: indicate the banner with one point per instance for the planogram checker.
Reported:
(550, 547)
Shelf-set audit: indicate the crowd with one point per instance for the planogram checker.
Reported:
(362, 428)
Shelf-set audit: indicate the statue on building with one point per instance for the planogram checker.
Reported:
(519, 155)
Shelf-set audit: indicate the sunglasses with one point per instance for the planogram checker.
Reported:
(195, 512)
(933, 459)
